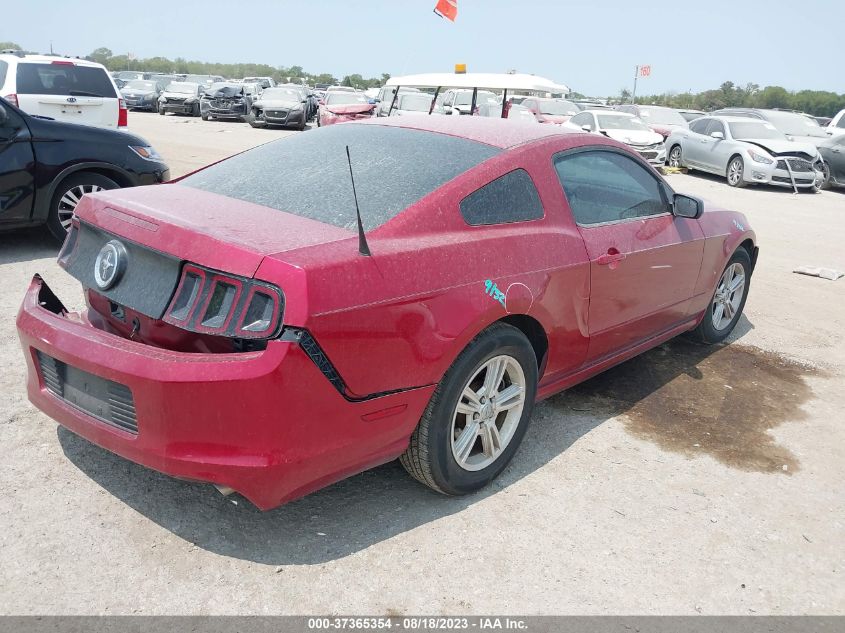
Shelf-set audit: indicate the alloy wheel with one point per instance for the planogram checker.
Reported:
(68, 202)
(728, 296)
(675, 157)
(488, 413)
(735, 171)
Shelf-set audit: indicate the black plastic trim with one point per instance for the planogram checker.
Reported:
(312, 349)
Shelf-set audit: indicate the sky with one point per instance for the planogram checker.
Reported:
(591, 46)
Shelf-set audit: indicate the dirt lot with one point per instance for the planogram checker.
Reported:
(690, 480)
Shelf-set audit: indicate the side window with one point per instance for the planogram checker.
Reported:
(699, 126)
(3, 68)
(605, 186)
(510, 198)
(715, 126)
(585, 118)
(840, 123)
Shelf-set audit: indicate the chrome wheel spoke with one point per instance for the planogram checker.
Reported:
(466, 441)
(493, 377)
(491, 441)
(509, 398)
(718, 314)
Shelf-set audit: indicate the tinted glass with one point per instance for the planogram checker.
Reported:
(840, 123)
(604, 186)
(699, 126)
(64, 79)
(510, 198)
(308, 174)
(3, 67)
(715, 126)
(582, 119)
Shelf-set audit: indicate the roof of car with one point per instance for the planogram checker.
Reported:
(47, 59)
(731, 118)
(501, 133)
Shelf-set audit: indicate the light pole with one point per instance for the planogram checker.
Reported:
(634, 93)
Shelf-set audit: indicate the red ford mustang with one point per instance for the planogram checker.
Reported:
(238, 332)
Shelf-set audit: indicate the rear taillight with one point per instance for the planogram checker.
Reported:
(210, 302)
(13, 99)
(122, 114)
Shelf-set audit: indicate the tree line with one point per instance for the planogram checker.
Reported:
(729, 95)
(280, 74)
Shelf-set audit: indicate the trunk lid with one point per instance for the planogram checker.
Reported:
(205, 228)
(353, 108)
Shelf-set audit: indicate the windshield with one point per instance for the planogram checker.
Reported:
(662, 115)
(795, 124)
(339, 98)
(414, 102)
(224, 88)
(562, 108)
(413, 162)
(183, 88)
(282, 94)
(616, 122)
(141, 85)
(755, 129)
(199, 79)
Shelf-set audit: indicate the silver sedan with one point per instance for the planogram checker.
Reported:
(746, 151)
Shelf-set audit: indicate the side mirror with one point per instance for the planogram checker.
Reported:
(586, 128)
(717, 135)
(687, 206)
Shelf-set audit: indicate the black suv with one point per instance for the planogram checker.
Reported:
(46, 166)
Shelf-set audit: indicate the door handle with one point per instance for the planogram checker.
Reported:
(613, 256)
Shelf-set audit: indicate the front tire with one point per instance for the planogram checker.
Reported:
(675, 156)
(67, 196)
(478, 415)
(736, 172)
(204, 116)
(728, 300)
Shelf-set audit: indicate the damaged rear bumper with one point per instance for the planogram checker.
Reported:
(267, 424)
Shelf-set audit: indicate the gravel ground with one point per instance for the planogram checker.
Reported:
(689, 480)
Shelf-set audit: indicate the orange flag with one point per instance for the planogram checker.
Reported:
(447, 9)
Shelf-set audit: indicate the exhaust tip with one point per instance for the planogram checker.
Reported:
(224, 490)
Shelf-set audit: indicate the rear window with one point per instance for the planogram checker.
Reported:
(308, 174)
(63, 79)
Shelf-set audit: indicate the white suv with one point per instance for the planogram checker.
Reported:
(62, 88)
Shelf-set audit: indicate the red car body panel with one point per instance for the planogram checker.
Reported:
(268, 423)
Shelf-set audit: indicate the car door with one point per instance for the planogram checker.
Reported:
(644, 261)
(711, 147)
(17, 167)
(692, 147)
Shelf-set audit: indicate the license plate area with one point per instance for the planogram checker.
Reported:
(104, 399)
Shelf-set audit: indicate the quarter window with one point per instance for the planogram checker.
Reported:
(510, 198)
(605, 186)
(840, 123)
(585, 118)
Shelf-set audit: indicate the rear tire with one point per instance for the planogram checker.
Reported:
(67, 195)
(715, 327)
(204, 116)
(464, 439)
(735, 172)
(161, 111)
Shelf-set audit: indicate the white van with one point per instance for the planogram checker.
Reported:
(62, 88)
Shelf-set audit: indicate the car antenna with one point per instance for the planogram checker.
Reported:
(363, 248)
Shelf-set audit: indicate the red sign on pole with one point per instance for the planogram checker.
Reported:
(645, 71)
